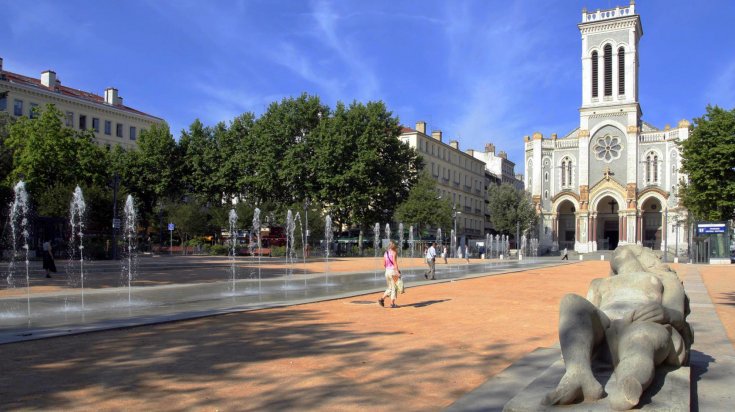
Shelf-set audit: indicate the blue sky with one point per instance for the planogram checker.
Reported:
(481, 71)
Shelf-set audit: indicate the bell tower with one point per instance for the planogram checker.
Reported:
(610, 56)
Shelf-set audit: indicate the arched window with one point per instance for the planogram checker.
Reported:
(608, 69)
(594, 74)
(569, 172)
(621, 71)
(651, 168)
(566, 172)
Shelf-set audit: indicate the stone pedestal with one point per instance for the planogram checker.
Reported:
(669, 391)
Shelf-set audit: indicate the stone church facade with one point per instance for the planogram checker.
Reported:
(613, 180)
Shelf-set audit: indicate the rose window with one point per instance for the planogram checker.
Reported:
(607, 148)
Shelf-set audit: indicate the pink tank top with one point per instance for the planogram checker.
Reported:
(388, 261)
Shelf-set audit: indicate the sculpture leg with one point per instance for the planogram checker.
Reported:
(642, 346)
(581, 328)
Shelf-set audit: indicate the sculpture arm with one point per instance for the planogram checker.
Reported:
(593, 293)
(673, 301)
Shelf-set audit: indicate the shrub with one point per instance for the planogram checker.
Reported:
(220, 250)
(278, 251)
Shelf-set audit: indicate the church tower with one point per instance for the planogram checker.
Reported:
(614, 179)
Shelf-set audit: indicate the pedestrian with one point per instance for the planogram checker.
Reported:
(565, 255)
(48, 259)
(467, 253)
(445, 252)
(392, 274)
(431, 261)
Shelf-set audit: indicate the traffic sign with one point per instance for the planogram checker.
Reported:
(116, 223)
(171, 227)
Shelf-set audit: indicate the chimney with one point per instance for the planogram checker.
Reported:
(111, 97)
(503, 155)
(48, 79)
(119, 101)
(454, 144)
(421, 126)
(471, 152)
(1, 64)
(437, 134)
(490, 148)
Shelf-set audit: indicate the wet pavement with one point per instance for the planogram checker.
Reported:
(175, 288)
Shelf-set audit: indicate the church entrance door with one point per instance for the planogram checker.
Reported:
(651, 223)
(567, 225)
(607, 226)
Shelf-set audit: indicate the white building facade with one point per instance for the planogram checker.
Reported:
(113, 123)
(613, 180)
(460, 177)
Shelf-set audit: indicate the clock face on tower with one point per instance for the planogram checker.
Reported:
(607, 148)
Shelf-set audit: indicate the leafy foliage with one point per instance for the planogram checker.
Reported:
(423, 208)
(508, 207)
(708, 158)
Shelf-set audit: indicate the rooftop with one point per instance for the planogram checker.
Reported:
(66, 91)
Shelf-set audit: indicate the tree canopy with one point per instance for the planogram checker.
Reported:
(708, 158)
(508, 207)
(423, 208)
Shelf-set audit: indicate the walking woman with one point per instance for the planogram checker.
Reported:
(48, 259)
(392, 274)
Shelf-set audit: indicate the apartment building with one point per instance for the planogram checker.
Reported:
(460, 178)
(112, 122)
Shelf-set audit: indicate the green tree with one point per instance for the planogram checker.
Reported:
(199, 161)
(423, 208)
(149, 172)
(508, 207)
(49, 155)
(278, 151)
(363, 170)
(191, 219)
(708, 158)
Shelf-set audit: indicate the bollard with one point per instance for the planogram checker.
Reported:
(581, 257)
(602, 257)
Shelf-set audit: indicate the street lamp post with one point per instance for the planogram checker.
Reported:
(306, 223)
(454, 215)
(676, 251)
(115, 222)
(518, 235)
(666, 232)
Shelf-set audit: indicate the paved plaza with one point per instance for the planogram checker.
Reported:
(442, 348)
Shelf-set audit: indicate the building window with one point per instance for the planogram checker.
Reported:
(96, 124)
(69, 119)
(621, 71)
(546, 176)
(132, 133)
(608, 70)
(82, 122)
(18, 107)
(608, 148)
(594, 74)
(33, 111)
(108, 127)
(566, 172)
(118, 130)
(3, 101)
(651, 168)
